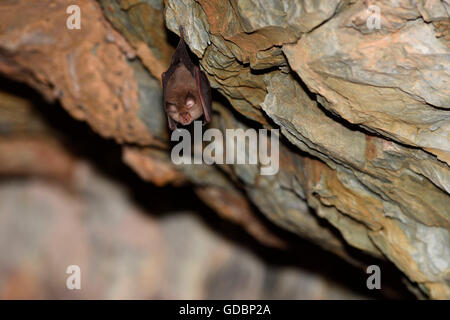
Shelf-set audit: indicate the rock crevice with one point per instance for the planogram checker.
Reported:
(363, 113)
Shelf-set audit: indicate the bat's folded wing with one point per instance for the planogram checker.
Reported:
(204, 93)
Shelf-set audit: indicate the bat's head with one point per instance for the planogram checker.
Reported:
(184, 109)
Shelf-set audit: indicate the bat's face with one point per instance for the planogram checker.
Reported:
(186, 89)
(184, 108)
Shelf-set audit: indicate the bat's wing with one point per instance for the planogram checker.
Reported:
(165, 77)
(181, 55)
(204, 92)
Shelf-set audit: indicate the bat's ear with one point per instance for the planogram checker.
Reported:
(172, 123)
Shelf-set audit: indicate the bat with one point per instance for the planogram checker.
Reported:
(186, 89)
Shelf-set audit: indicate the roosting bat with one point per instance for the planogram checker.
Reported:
(187, 93)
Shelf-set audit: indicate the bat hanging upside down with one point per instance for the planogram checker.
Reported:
(187, 93)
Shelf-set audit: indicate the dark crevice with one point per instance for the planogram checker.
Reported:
(105, 156)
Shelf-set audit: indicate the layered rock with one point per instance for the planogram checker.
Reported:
(363, 111)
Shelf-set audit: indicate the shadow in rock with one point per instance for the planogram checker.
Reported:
(106, 156)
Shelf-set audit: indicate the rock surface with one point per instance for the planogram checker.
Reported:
(62, 203)
(127, 252)
(363, 113)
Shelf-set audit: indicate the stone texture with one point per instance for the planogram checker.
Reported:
(363, 113)
(125, 252)
(395, 83)
(59, 208)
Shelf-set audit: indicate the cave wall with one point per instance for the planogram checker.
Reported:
(363, 113)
